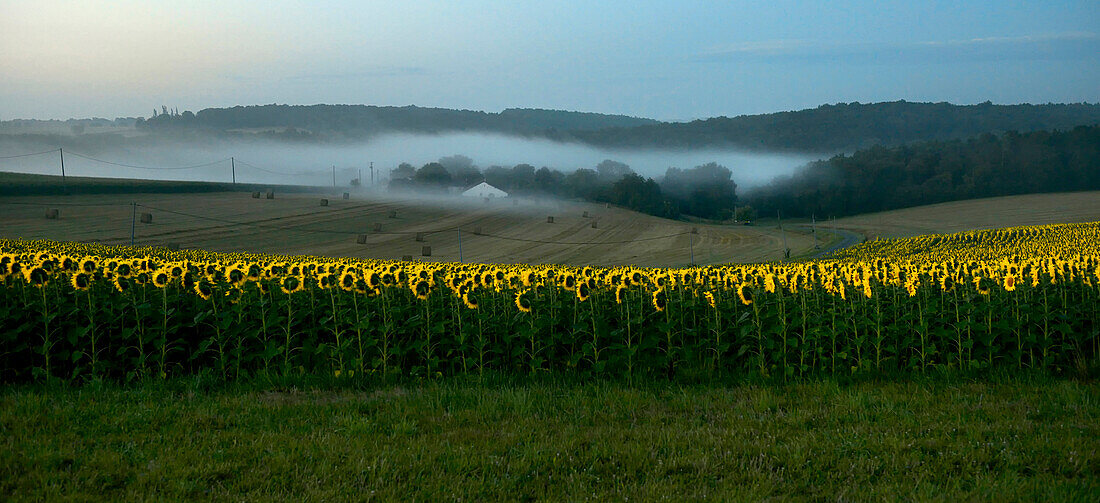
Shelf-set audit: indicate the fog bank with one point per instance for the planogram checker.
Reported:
(273, 162)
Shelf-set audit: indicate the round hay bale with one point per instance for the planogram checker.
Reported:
(255, 195)
(324, 202)
(347, 195)
(549, 220)
(53, 213)
(426, 251)
(361, 239)
(271, 194)
(593, 224)
(378, 227)
(420, 237)
(392, 214)
(146, 218)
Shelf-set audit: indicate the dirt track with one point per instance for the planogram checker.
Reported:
(510, 232)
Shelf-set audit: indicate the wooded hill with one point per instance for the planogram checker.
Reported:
(827, 129)
(881, 178)
(366, 120)
(849, 127)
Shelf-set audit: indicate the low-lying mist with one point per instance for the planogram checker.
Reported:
(277, 162)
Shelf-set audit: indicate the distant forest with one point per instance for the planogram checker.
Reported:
(351, 121)
(827, 129)
(881, 178)
(706, 191)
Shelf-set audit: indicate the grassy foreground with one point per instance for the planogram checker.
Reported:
(1023, 438)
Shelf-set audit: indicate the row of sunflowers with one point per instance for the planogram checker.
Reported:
(1025, 297)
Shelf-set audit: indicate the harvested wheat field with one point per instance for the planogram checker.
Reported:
(976, 214)
(498, 231)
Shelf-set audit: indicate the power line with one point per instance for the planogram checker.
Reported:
(28, 155)
(149, 167)
(273, 172)
(25, 203)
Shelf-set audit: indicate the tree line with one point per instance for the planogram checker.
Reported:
(706, 191)
(881, 178)
(831, 128)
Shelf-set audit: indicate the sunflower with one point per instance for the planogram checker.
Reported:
(161, 278)
(124, 269)
(188, 280)
(37, 276)
(710, 300)
(470, 300)
(388, 279)
(769, 283)
(325, 281)
(67, 263)
(583, 292)
(233, 295)
(120, 283)
(81, 281)
(204, 288)
(372, 278)
(291, 284)
(528, 277)
(744, 293)
(347, 281)
(88, 265)
(981, 285)
(1010, 283)
(176, 270)
(619, 293)
(523, 301)
(421, 288)
(254, 271)
(235, 275)
(660, 299)
(568, 281)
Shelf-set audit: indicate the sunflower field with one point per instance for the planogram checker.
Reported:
(1026, 297)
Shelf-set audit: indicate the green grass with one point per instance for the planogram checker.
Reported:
(947, 439)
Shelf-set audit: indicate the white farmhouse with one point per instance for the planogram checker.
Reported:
(484, 190)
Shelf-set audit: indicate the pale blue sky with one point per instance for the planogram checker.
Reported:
(672, 60)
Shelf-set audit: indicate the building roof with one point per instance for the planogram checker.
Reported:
(483, 189)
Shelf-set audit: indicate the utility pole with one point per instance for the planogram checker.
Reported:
(460, 245)
(334, 176)
(233, 166)
(62, 164)
(360, 176)
(133, 222)
(813, 229)
(372, 174)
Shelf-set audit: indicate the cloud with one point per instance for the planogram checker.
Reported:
(1061, 46)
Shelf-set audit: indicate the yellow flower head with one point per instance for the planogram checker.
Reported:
(660, 299)
(81, 281)
(523, 301)
(619, 293)
(744, 293)
(421, 289)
